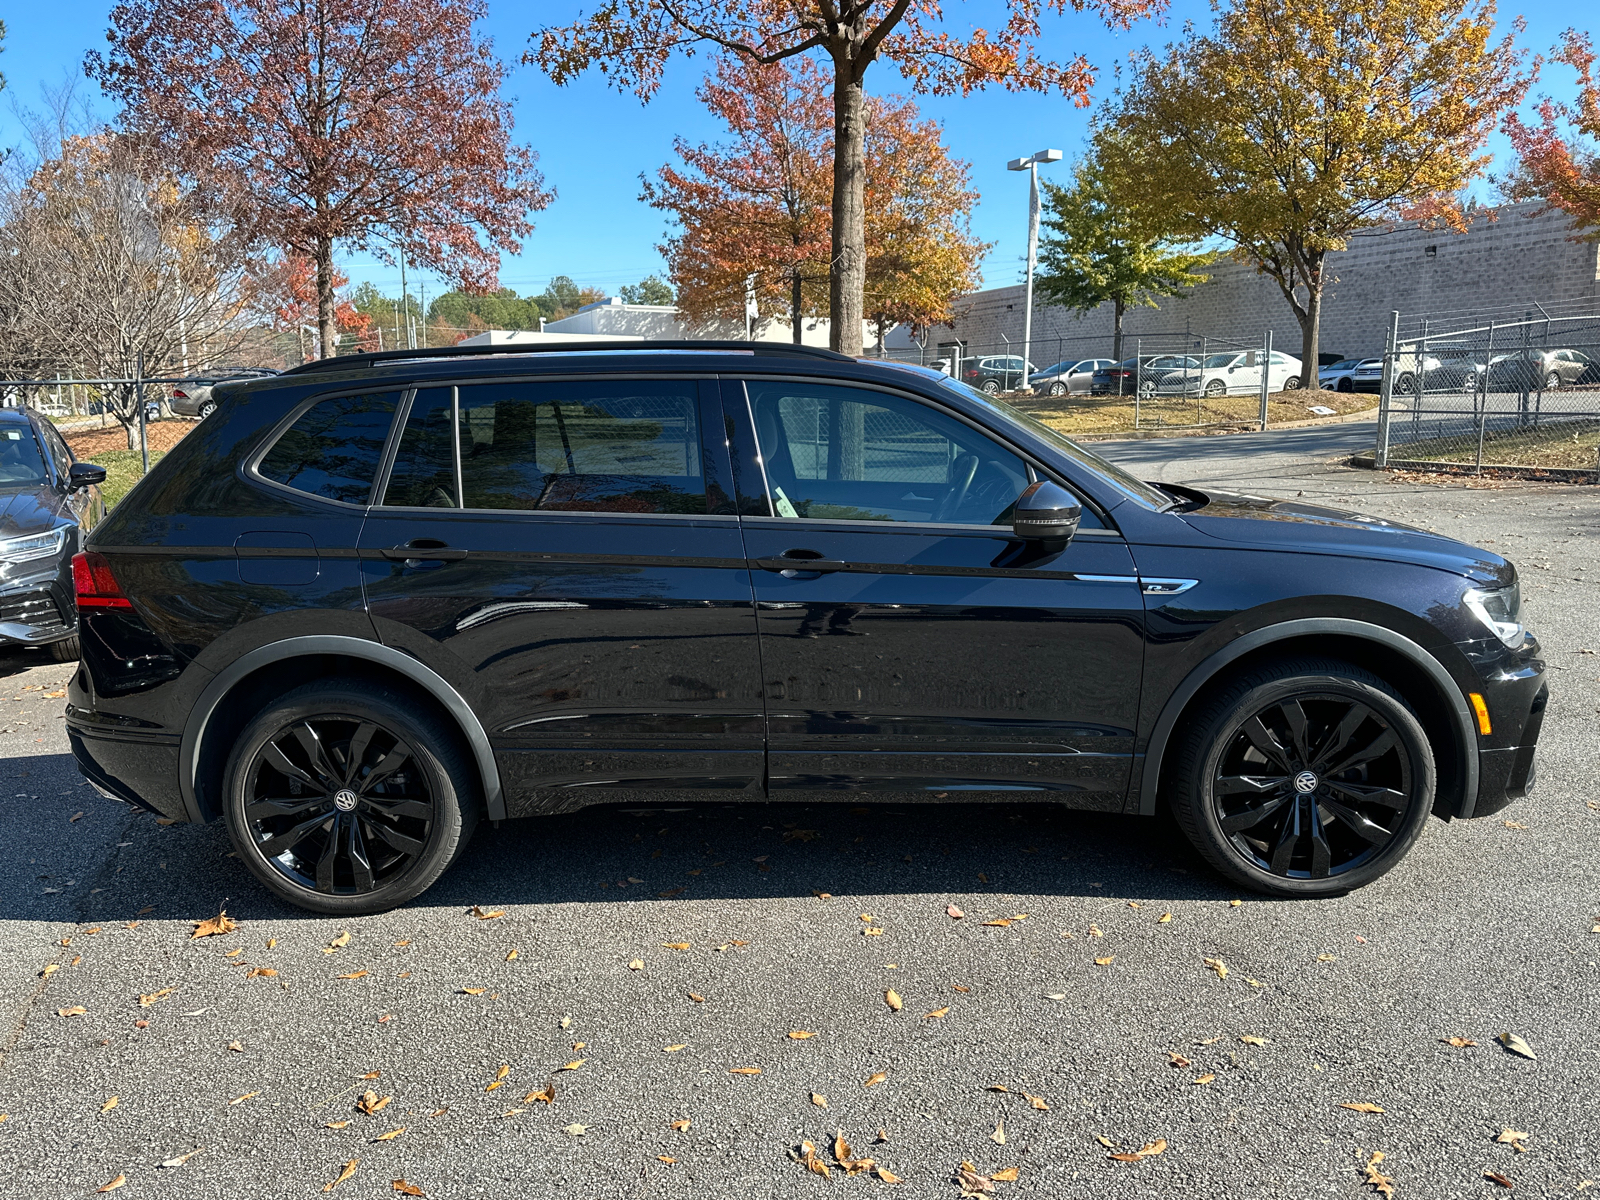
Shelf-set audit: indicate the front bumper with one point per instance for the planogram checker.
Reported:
(1515, 694)
(32, 614)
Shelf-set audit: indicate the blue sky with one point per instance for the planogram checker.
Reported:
(594, 143)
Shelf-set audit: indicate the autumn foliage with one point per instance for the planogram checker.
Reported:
(287, 295)
(1557, 161)
(336, 121)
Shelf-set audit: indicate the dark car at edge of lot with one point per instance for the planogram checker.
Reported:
(47, 500)
(377, 599)
(996, 373)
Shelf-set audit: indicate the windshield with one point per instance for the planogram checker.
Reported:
(21, 464)
(1344, 364)
(1129, 486)
(1216, 361)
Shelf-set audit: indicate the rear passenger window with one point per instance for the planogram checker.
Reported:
(619, 446)
(333, 449)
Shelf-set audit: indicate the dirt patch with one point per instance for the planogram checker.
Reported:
(162, 436)
(1082, 415)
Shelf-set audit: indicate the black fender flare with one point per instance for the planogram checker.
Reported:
(1449, 690)
(349, 647)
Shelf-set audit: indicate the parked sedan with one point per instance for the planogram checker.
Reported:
(1539, 370)
(1233, 372)
(1340, 376)
(1141, 374)
(194, 399)
(46, 500)
(1075, 375)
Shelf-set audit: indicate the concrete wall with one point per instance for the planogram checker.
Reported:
(1503, 265)
(656, 322)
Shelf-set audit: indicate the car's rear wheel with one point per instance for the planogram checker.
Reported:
(1215, 388)
(991, 387)
(343, 798)
(1292, 384)
(1304, 778)
(66, 650)
(206, 409)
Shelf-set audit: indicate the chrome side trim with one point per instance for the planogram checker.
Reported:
(375, 652)
(1166, 587)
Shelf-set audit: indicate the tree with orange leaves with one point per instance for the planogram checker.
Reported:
(631, 42)
(333, 121)
(1556, 161)
(287, 296)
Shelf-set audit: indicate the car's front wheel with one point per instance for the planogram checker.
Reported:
(991, 387)
(342, 798)
(1058, 388)
(1304, 778)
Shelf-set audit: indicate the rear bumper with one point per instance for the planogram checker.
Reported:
(133, 766)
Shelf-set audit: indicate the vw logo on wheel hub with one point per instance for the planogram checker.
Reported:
(344, 800)
(1305, 783)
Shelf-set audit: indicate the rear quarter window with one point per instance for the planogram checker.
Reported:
(333, 448)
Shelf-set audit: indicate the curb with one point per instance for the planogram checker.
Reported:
(1547, 474)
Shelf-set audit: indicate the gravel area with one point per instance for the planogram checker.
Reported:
(644, 963)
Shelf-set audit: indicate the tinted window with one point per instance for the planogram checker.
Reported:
(334, 448)
(604, 446)
(20, 460)
(836, 453)
(424, 472)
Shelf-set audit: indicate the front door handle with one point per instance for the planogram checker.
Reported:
(793, 562)
(423, 550)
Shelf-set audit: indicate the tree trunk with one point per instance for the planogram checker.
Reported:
(327, 334)
(1119, 306)
(1311, 325)
(794, 305)
(847, 281)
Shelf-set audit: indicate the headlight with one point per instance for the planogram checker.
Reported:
(34, 545)
(1501, 611)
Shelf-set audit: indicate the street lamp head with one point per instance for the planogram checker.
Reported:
(1019, 164)
(1047, 156)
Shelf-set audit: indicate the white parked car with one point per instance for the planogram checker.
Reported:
(1233, 373)
(1340, 376)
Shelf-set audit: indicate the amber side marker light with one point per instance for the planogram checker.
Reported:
(1479, 707)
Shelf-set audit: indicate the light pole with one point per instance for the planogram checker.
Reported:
(1031, 165)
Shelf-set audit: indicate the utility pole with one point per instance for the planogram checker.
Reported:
(405, 303)
(1031, 165)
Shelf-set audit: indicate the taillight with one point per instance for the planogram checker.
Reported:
(179, 394)
(94, 583)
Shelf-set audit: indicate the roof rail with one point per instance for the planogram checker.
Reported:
(346, 362)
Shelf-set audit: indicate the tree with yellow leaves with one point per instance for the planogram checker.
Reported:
(1298, 124)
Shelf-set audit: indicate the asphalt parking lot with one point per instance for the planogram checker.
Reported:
(638, 967)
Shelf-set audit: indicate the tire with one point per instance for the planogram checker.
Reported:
(1292, 384)
(1058, 388)
(1243, 734)
(1552, 381)
(399, 831)
(1345, 385)
(206, 409)
(66, 650)
(991, 387)
(1216, 388)
(1406, 385)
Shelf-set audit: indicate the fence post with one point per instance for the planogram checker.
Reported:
(138, 398)
(1386, 391)
(1138, 378)
(1266, 378)
(1483, 409)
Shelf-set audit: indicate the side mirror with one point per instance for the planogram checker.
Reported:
(81, 474)
(1046, 511)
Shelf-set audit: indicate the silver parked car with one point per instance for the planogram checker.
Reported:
(193, 399)
(1074, 375)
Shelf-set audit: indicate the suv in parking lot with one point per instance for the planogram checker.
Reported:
(996, 373)
(378, 598)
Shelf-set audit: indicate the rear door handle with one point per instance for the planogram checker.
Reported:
(792, 561)
(435, 552)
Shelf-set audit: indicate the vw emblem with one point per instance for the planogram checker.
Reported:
(345, 800)
(1305, 783)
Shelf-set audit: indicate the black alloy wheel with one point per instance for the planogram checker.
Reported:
(342, 801)
(1306, 779)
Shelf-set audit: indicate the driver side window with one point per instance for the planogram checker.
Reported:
(847, 454)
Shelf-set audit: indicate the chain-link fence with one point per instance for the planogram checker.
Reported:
(1520, 392)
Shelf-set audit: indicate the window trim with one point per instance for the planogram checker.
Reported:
(250, 466)
(403, 414)
(1035, 468)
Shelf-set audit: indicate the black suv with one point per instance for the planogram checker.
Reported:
(378, 598)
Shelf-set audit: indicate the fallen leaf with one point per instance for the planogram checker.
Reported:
(398, 945)
(973, 1184)
(1513, 825)
(956, 987)
(352, 975)
(336, 1124)
(473, 991)
(1203, 1079)
(1250, 1039)
(370, 1103)
(391, 1135)
(109, 1105)
(892, 999)
(499, 1079)
(936, 1013)
(801, 1035)
(1513, 1137)
(573, 1065)
(1177, 1060)
(885, 1174)
(1458, 1042)
(1006, 1175)
(113, 1185)
(676, 1046)
(636, 965)
(340, 943)
(180, 1159)
(676, 945)
(819, 1100)
(872, 931)
(1150, 1149)
(241, 1099)
(1217, 965)
(696, 997)
(982, 877)
(999, 1134)
(211, 926)
(406, 1189)
(1235, 903)
(77, 1010)
(1361, 1106)
(808, 1155)
(681, 1125)
(160, 994)
(259, 973)
(1495, 1176)
(575, 1130)
(1164, 919)
(1106, 961)
(744, 1071)
(1326, 958)
(1376, 1179)
(545, 1095)
(666, 1158)
(1037, 1102)
(953, 912)
(488, 916)
(1002, 922)
(874, 1079)
(1515, 1045)
(348, 1170)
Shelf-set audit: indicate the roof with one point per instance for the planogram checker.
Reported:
(355, 362)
